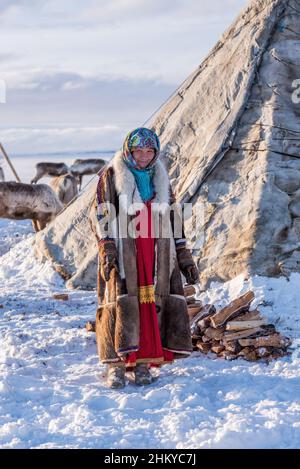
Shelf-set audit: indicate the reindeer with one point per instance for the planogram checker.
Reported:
(49, 169)
(65, 187)
(88, 166)
(19, 201)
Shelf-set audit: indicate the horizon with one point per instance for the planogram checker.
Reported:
(60, 152)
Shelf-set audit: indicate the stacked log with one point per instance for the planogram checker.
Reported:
(60, 296)
(235, 331)
(194, 306)
(232, 332)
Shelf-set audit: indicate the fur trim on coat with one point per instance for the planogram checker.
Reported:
(117, 318)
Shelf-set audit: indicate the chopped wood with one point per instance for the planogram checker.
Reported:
(262, 352)
(268, 329)
(227, 355)
(205, 348)
(197, 333)
(274, 340)
(232, 346)
(250, 355)
(206, 339)
(241, 325)
(215, 333)
(205, 312)
(251, 316)
(193, 310)
(241, 334)
(191, 300)
(277, 353)
(91, 326)
(215, 342)
(60, 296)
(189, 290)
(217, 348)
(203, 324)
(236, 307)
(232, 332)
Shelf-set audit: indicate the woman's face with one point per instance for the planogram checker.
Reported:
(143, 156)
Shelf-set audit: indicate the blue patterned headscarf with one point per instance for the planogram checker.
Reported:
(141, 138)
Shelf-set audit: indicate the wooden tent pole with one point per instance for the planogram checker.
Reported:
(9, 163)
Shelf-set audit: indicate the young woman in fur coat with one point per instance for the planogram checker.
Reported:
(142, 318)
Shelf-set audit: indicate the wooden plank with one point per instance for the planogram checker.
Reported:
(189, 290)
(277, 353)
(193, 310)
(241, 334)
(215, 333)
(203, 324)
(241, 325)
(232, 346)
(217, 348)
(191, 300)
(205, 348)
(227, 355)
(274, 340)
(251, 316)
(249, 354)
(205, 338)
(236, 307)
(205, 312)
(60, 296)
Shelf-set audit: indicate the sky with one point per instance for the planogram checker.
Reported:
(78, 75)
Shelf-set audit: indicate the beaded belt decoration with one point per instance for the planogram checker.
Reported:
(146, 294)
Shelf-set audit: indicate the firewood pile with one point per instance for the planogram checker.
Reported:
(234, 331)
(231, 332)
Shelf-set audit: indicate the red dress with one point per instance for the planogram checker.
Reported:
(150, 346)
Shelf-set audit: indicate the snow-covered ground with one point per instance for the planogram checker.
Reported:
(52, 388)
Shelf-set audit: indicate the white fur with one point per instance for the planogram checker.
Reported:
(126, 186)
(129, 196)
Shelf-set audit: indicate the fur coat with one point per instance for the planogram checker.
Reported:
(117, 317)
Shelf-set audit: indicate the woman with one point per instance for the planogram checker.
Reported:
(142, 318)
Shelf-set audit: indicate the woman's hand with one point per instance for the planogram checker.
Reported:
(187, 266)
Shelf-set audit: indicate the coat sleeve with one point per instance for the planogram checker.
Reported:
(105, 210)
(177, 222)
(184, 256)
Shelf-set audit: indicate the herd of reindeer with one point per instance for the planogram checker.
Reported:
(43, 202)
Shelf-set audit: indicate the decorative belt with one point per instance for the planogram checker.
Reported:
(146, 294)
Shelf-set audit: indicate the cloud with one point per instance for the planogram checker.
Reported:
(33, 140)
(110, 13)
(7, 57)
(14, 6)
(68, 101)
(72, 98)
(90, 62)
(127, 10)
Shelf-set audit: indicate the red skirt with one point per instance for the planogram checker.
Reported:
(150, 346)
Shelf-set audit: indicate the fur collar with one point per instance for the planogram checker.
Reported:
(127, 189)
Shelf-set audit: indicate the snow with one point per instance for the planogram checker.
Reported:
(53, 393)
